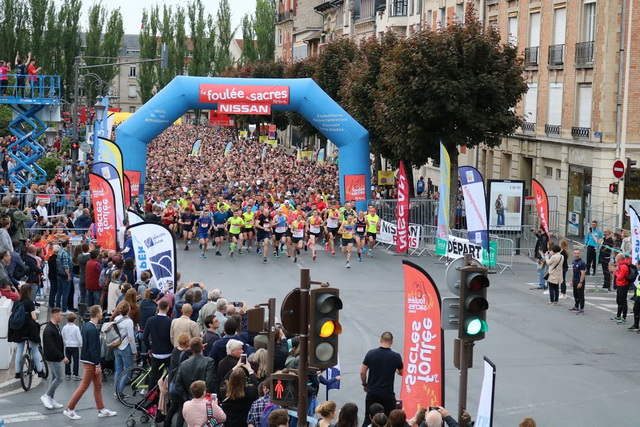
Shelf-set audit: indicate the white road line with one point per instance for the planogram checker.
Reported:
(22, 417)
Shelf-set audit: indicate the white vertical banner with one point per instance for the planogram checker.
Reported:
(635, 234)
(155, 250)
(484, 417)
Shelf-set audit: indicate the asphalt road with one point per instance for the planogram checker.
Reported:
(559, 368)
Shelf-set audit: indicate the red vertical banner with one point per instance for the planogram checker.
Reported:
(355, 188)
(423, 371)
(542, 205)
(134, 180)
(127, 190)
(104, 211)
(402, 212)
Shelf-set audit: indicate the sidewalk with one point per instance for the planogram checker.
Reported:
(8, 382)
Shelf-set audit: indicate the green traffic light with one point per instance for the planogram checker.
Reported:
(475, 325)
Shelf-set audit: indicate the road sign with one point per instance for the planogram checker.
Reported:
(618, 169)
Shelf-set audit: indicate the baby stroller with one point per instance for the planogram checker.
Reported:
(147, 405)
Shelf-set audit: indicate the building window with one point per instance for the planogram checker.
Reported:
(589, 21)
(133, 91)
(399, 8)
(279, 37)
(585, 101)
(558, 174)
(339, 17)
(411, 7)
(460, 13)
(132, 108)
(534, 29)
(132, 71)
(512, 28)
(429, 18)
(442, 17)
(531, 103)
(548, 171)
(554, 113)
(367, 9)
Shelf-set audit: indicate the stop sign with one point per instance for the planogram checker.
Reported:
(618, 169)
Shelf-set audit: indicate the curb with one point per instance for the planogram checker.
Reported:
(14, 384)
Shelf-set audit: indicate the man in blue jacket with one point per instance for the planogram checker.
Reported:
(90, 358)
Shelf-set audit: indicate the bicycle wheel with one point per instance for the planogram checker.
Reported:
(26, 372)
(135, 387)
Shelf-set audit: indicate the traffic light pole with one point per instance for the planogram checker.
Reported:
(303, 366)
(465, 350)
(271, 336)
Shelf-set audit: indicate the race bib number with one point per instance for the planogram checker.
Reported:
(332, 223)
(298, 233)
(235, 229)
(281, 229)
(314, 229)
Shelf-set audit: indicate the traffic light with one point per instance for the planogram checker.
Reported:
(613, 188)
(283, 388)
(75, 146)
(324, 327)
(631, 172)
(473, 303)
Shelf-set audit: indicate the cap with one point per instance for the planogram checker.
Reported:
(288, 193)
(154, 292)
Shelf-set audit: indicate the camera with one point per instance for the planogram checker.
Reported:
(237, 303)
(433, 408)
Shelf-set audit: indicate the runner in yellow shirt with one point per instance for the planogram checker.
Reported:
(297, 228)
(314, 229)
(236, 223)
(373, 225)
(247, 235)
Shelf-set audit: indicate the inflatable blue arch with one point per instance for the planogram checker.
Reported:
(234, 94)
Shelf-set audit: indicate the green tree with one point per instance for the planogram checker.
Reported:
(110, 47)
(146, 74)
(202, 40)
(14, 30)
(51, 57)
(249, 52)
(265, 29)
(360, 84)
(167, 30)
(224, 36)
(180, 51)
(332, 64)
(70, 43)
(457, 86)
(37, 17)
(92, 51)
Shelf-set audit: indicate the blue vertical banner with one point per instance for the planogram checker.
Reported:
(475, 204)
(101, 128)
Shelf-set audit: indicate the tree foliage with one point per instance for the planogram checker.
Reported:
(202, 39)
(249, 51)
(148, 39)
(265, 29)
(224, 36)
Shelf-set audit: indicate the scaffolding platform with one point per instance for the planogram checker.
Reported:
(27, 101)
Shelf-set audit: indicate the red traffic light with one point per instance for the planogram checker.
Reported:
(613, 188)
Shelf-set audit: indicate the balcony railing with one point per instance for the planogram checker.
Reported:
(528, 127)
(284, 16)
(531, 56)
(580, 133)
(584, 53)
(552, 129)
(556, 55)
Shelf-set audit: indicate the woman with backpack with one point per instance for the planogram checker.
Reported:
(23, 323)
(125, 351)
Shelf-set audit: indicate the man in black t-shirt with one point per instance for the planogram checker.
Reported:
(382, 364)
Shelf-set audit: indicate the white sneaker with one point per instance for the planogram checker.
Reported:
(46, 401)
(66, 313)
(103, 413)
(71, 414)
(55, 404)
(545, 293)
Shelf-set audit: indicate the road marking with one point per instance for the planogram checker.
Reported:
(22, 417)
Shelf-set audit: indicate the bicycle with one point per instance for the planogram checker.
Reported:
(28, 366)
(136, 387)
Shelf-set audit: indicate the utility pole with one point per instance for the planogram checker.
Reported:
(303, 367)
(76, 97)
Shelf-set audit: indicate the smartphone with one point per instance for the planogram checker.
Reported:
(243, 358)
(214, 397)
(237, 303)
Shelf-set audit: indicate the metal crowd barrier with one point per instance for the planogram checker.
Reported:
(421, 211)
(505, 253)
(56, 204)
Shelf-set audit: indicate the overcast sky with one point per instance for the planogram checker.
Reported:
(132, 11)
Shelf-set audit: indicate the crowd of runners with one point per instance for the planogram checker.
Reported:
(240, 195)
